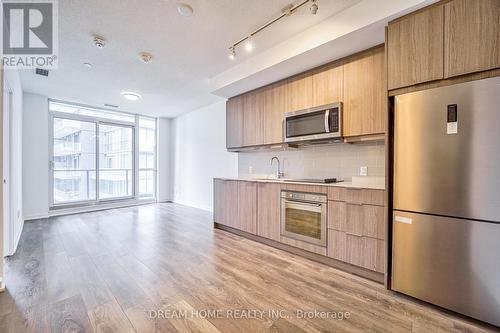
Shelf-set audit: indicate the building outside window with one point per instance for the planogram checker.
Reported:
(94, 153)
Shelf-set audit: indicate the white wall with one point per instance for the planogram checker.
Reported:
(15, 157)
(199, 149)
(164, 159)
(35, 156)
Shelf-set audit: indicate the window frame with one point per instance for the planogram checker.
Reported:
(135, 155)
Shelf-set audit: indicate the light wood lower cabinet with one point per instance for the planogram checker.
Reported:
(357, 250)
(357, 227)
(225, 207)
(235, 204)
(268, 210)
(247, 206)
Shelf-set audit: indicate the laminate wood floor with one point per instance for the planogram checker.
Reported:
(163, 268)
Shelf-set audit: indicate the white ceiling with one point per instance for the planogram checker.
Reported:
(188, 50)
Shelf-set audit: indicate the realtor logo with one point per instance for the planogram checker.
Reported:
(29, 34)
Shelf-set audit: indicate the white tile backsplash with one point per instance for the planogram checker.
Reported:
(340, 160)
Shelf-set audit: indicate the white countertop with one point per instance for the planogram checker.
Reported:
(373, 183)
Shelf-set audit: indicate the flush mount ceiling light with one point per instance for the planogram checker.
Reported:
(184, 9)
(286, 11)
(131, 96)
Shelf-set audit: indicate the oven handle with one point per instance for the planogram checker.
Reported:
(327, 121)
(303, 206)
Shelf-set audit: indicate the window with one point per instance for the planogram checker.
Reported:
(147, 157)
(74, 167)
(94, 153)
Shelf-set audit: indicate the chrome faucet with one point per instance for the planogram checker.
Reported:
(278, 173)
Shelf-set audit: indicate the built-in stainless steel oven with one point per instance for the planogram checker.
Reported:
(303, 216)
(318, 123)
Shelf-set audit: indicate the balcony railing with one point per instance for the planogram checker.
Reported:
(80, 184)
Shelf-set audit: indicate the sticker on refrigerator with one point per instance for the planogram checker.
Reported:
(402, 219)
(452, 119)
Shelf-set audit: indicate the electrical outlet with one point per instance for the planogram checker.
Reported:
(250, 169)
(363, 171)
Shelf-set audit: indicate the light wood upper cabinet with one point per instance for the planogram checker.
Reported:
(273, 113)
(365, 95)
(471, 36)
(268, 210)
(415, 48)
(234, 122)
(253, 118)
(327, 85)
(299, 92)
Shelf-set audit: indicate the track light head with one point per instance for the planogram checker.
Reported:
(314, 7)
(249, 44)
(232, 53)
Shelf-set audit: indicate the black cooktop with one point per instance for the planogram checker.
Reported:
(321, 181)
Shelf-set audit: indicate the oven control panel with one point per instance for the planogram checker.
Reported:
(304, 196)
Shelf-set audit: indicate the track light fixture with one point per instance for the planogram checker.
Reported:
(232, 53)
(249, 44)
(314, 7)
(286, 11)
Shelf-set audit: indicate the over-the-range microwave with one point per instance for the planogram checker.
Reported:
(318, 123)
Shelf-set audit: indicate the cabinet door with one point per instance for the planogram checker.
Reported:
(253, 105)
(299, 92)
(274, 113)
(471, 36)
(365, 95)
(327, 85)
(268, 210)
(415, 48)
(234, 122)
(225, 207)
(247, 206)
(337, 244)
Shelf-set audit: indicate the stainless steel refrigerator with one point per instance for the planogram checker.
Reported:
(446, 218)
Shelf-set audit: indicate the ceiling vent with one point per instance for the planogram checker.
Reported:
(42, 72)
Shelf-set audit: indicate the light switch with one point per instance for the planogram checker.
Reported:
(363, 171)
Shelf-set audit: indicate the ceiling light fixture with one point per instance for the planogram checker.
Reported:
(184, 9)
(232, 53)
(249, 44)
(87, 64)
(131, 96)
(286, 11)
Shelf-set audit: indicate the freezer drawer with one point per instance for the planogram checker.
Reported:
(453, 263)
